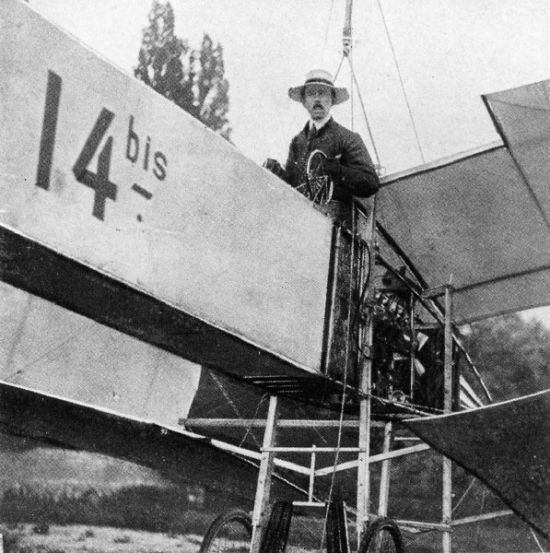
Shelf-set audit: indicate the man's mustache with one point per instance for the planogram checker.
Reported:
(318, 105)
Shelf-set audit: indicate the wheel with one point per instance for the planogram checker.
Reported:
(382, 536)
(231, 532)
(318, 187)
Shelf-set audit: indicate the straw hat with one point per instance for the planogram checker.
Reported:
(319, 76)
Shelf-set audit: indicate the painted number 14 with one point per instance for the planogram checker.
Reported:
(99, 181)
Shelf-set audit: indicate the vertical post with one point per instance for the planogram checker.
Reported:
(312, 475)
(261, 502)
(447, 406)
(365, 379)
(412, 330)
(363, 467)
(383, 498)
(346, 35)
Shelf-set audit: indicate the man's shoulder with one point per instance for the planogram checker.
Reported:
(303, 131)
(301, 136)
(340, 129)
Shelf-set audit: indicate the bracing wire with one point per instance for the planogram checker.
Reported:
(52, 348)
(232, 404)
(254, 418)
(18, 333)
(344, 387)
(464, 495)
(339, 67)
(327, 28)
(351, 91)
(413, 408)
(363, 108)
(401, 81)
(536, 539)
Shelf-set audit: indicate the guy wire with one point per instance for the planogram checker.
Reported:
(401, 81)
(345, 379)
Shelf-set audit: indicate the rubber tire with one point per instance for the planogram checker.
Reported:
(377, 526)
(234, 515)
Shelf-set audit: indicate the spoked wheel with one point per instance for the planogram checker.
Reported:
(382, 536)
(318, 185)
(231, 532)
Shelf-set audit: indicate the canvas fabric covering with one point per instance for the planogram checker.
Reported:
(481, 221)
(506, 445)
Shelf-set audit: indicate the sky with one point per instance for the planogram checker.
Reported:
(443, 53)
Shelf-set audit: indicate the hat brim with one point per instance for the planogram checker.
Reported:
(340, 95)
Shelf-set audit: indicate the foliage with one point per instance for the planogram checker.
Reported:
(153, 508)
(512, 354)
(192, 78)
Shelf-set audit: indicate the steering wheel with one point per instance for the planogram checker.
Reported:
(318, 186)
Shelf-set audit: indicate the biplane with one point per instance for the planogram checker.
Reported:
(151, 315)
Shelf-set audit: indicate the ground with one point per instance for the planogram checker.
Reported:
(27, 538)
(32, 538)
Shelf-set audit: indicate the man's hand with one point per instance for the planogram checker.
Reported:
(332, 167)
(274, 166)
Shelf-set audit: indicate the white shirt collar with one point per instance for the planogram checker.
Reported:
(319, 124)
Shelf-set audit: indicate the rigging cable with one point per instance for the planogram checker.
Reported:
(351, 89)
(401, 81)
(339, 67)
(232, 404)
(345, 378)
(254, 418)
(464, 495)
(328, 26)
(369, 129)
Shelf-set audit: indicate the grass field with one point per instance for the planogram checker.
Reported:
(24, 538)
(61, 501)
(32, 538)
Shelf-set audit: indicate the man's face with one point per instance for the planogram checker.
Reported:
(317, 100)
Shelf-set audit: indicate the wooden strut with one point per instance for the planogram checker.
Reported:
(364, 459)
(426, 298)
(261, 502)
(447, 500)
(346, 35)
(365, 380)
(384, 494)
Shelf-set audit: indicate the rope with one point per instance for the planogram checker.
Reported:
(401, 81)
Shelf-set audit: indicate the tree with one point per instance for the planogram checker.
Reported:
(512, 354)
(192, 78)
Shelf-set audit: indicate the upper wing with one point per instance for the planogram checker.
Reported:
(482, 220)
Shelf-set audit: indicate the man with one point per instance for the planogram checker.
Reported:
(347, 161)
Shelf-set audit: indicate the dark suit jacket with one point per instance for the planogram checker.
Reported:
(357, 176)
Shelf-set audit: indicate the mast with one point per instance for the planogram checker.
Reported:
(346, 34)
(366, 339)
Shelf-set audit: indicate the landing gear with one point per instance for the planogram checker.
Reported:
(382, 536)
(231, 532)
